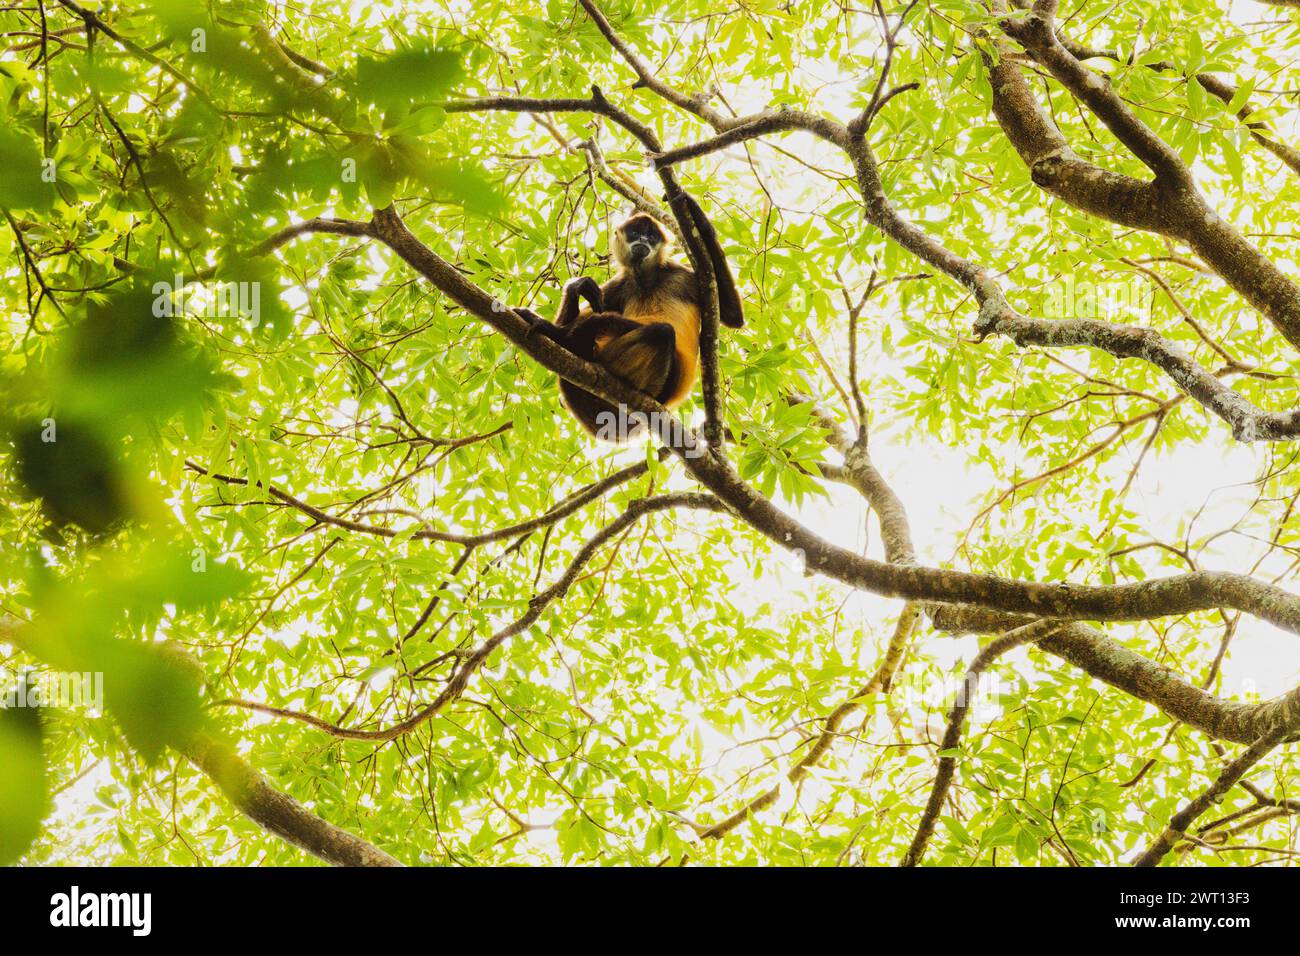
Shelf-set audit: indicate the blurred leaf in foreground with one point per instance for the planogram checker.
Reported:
(24, 796)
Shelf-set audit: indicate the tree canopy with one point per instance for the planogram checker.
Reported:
(990, 557)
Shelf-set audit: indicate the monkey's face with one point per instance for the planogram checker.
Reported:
(640, 243)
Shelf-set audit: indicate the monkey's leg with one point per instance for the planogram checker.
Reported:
(540, 326)
(645, 358)
(596, 415)
(583, 337)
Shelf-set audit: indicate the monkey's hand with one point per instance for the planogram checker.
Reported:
(582, 287)
(589, 289)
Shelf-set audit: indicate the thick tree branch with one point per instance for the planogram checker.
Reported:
(1109, 661)
(1169, 205)
(1112, 662)
(1248, 422)
(1036, 32)
(277, 812)
(1215, 85)
(1056, 168)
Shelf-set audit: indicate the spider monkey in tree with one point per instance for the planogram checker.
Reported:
(644, 323)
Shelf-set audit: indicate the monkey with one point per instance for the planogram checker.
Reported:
(643, 325)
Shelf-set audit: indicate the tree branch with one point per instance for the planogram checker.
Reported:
(1036, 32)
(1248, 422)
(1231, 774)
(277, 812)
(253, 795)
(1170, 205)
(1026, 634)
(646, 76)
(473, 661)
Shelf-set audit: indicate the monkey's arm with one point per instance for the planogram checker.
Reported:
(582, 288)
(730, 311)
(577, 289)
